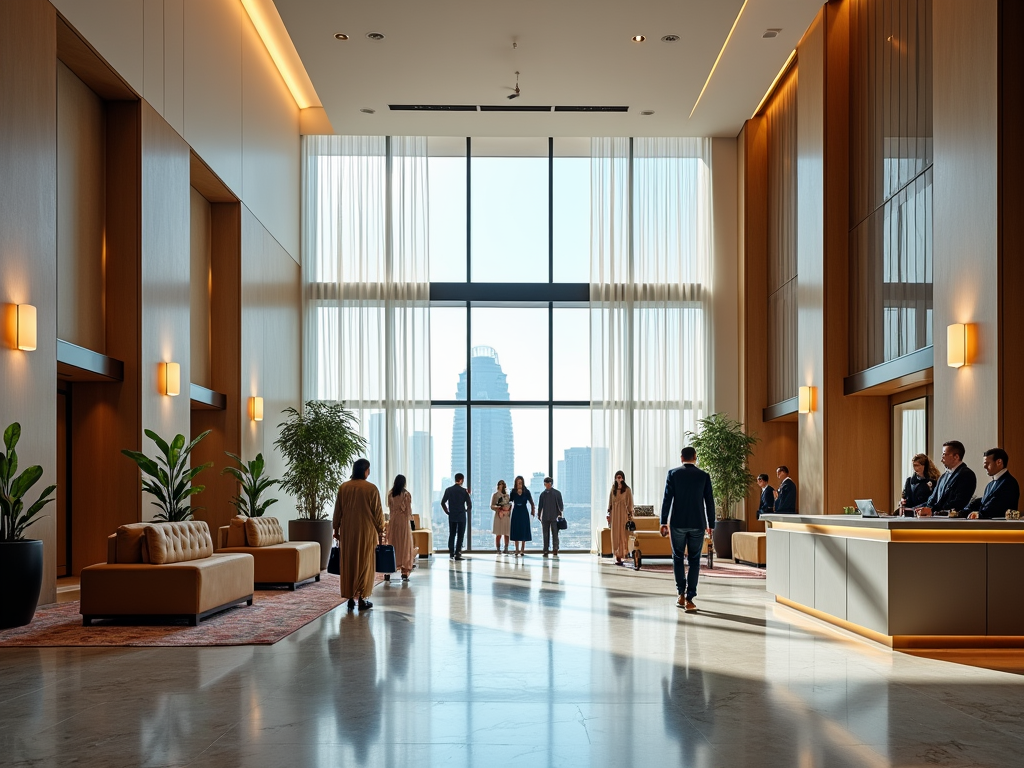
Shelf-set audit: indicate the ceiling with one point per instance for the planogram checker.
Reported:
(570, 52)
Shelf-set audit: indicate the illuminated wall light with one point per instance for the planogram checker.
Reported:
(715, 65)
(256, 408)
(26, 330)
(265, 17)
(957, 351)
(775, 82)
(170, 378)
(808, 399)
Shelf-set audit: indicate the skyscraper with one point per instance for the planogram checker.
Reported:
(574, 476)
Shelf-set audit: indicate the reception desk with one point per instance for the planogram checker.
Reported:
(906, 582)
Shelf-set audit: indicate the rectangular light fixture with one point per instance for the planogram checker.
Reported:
(26, 332)
(808, 399)
(256, 408)
(956, 345)
(170, 377)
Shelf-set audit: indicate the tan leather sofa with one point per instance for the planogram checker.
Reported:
(276, 562)
(165, 570)
(422, 539)
(647, 541)
(750, 547)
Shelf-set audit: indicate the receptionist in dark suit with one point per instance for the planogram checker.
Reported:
(956, 486)
(1001, 493)
(919, 486)
(785, 499)
(767, 505)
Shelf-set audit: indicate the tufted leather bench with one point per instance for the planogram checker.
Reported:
(277, 563)
(164, 570)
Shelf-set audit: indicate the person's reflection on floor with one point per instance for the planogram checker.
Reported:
(551, 597)
(398, 629)
(458, 600)
(358, 702)
(684, 691)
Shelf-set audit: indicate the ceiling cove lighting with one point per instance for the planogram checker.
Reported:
(170, 379)
(715, 65)
(256, 408)
(279, 45)
(25, 334)
(957, 347)
(775, 82)
(808, 399)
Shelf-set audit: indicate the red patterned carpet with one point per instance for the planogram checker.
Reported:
(274, 615)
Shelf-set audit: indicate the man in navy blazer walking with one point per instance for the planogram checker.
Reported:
(687, 514)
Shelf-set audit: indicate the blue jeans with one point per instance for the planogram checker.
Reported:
(691, 540)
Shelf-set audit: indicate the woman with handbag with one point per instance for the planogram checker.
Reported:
(620, 511)
(519, 528)
(400, 526)
(502, 507)
(358, 527)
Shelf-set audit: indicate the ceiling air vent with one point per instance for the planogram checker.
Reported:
(498, 108)
(432, 107)
(591, 109)
(513, 108)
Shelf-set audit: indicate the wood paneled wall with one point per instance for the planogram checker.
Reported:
(28, 243)
(966, 119)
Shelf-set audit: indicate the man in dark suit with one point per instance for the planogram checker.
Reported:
(1001, 493)
(549, 509)
(688, 514)
(767, 496)
(956, 486)
(456, 503)
(785, 499)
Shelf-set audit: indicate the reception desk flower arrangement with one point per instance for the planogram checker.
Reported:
(168, 477)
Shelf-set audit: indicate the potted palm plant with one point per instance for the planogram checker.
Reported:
(21, 559)
(252, 484)
(318, 444)
(170, 478)
(723, 449)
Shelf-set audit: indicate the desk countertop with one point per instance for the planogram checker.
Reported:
(899, 523)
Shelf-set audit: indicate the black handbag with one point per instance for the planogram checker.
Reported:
(562, 523)
(630, 526)
(412, 523)
(334, 561)
(384, 558)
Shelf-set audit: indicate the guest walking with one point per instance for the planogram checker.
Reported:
(919, 485)
(549, 512)
(520, 522)
(502, 527)
(400, 525)
(358, 527)
(620, 511)
(456, 503)
(688, 514)
(767, 505)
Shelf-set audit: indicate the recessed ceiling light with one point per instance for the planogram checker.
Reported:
(770, 33)
(367, 111)
(638, 38)
(670, 38)
(647, 112)
(375, 35)
(341, 36)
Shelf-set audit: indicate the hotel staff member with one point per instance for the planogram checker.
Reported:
(956, 486)
(785, 499)
(767, 496)
(1001, 493)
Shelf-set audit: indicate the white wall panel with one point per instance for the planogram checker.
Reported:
(174, 64)
(153, 53)
(115, 29)
(725, 299)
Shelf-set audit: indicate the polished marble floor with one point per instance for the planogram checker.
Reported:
(492, 662)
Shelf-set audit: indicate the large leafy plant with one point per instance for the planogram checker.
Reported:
(723, 449)
(318, 443)
(252, 485)
(169, 478)
(14, 518)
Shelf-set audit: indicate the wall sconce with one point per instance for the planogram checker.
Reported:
(957, 352)
(26, 330)
(256, 408)
(807, 399)
(170, 378)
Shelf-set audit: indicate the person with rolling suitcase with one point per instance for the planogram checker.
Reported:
(359, 528)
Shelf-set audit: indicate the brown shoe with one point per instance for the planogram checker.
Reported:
(690, 607)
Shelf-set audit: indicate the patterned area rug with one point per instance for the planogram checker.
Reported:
(274, 615)
(724, 569)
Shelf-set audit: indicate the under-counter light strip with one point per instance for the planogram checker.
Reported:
(775, 82)
(715, 65)
(279, 45)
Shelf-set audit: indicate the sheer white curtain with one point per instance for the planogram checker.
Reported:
(367, 317)
(650, 314)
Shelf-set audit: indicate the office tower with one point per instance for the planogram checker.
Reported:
(536, 484)
(574, 476)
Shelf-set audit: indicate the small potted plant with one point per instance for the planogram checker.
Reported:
(252, 485)
(170, 477)
(723, 449)
(21, 559)
(318, 444)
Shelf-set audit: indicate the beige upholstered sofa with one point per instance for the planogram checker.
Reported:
(165, 570)
(645, 542)
(277, 562)
(422, 539)
(750, 547)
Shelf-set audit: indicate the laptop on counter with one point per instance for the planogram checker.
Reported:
(866, 507)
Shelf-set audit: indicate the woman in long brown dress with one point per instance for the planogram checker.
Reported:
(399, 527)
(358, 527)
(620, 509)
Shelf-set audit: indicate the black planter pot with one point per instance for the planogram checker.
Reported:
(722, 536)
(21, 574)
(319, 531)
